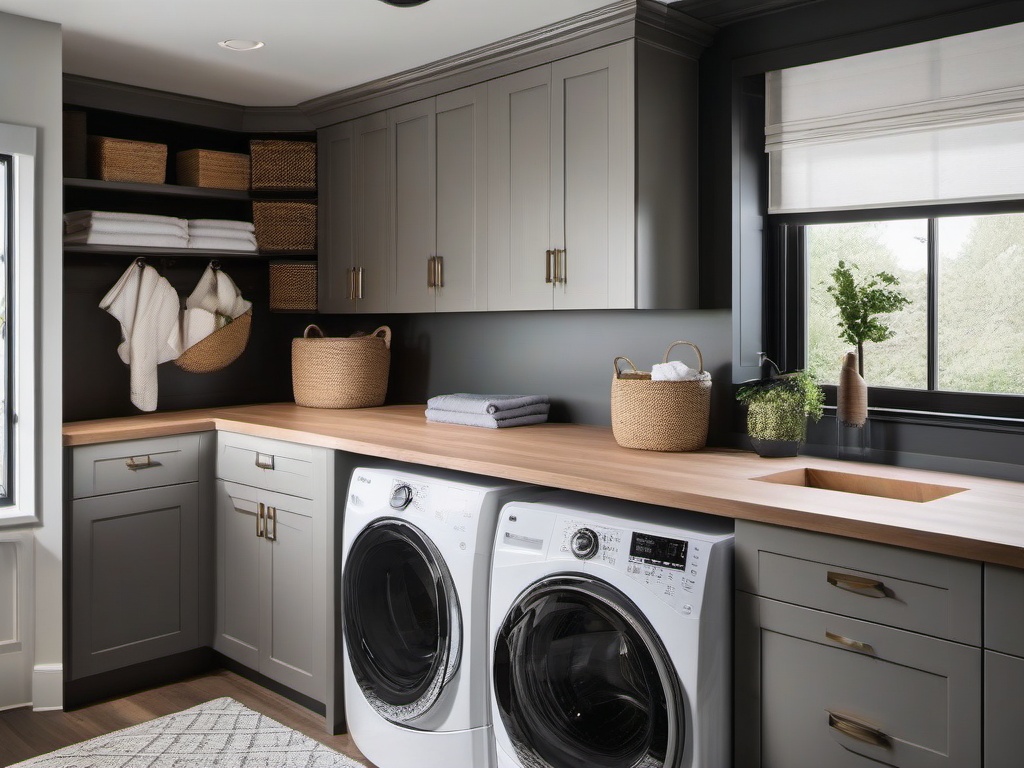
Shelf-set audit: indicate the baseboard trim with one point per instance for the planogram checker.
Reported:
(47, 687)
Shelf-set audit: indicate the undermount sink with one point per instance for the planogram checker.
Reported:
(865, 485)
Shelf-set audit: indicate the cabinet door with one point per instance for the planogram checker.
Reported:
(1004, 710)
(293, 584)
(370, 211)
(336, 235)
(519, 190)
(461, 126)
(413, 185)
(592, 178)
(134, 577)
(237, 632)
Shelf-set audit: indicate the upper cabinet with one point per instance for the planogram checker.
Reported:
(570, 185)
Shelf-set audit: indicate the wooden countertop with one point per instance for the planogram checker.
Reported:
(985, 521)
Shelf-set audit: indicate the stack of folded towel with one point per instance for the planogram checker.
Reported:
(490, 411)
(116, 228)
(221, 234)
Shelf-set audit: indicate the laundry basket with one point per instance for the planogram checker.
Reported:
(341, 372)
(219, 349)
(660, 415)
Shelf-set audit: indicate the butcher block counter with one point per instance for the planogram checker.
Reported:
(959, 515)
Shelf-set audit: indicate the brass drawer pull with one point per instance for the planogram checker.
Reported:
(431, 272)
(857, 584)
(855, 729)
(135, 465)
(548, 258)
(856, 645)
(439, 277)
(261, 524)
(264, 461)
(271, 523)
(560, 265)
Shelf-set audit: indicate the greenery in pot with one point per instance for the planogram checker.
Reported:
(859, 304)
(778, 407)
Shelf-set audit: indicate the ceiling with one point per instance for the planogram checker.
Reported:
(313, 47)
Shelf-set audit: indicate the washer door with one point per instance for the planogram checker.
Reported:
(581, 678)
(403, 626)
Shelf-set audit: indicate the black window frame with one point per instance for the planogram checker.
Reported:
(785, 326)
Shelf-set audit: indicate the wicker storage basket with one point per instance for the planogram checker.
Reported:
(282, 164)
(341, 372)
(126, 160)
(660, 415)
(215, 170)
(284, 225)
(219, 349)
(293, 286)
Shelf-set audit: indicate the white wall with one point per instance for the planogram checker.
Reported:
(31, 94)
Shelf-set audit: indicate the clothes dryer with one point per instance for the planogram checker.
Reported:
(610, 635)
(416, 560)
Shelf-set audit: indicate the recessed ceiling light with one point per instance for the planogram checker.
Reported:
(241, 45)
(404, 3)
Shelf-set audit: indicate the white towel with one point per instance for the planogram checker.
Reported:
(230, 234)
(124, 216)
(482, 419)
(147, 307)
(675, 370)
(222, 243)
(125, 227)
(214, 303)
(463, 402)
(196, 325)
(88, 237)
(244, 226)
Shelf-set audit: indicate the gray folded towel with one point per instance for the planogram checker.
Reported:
(483, 419)
(463, 402)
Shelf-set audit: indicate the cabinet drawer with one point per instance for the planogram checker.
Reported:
(1004, 609)
(903, 700)
(273, 465)
(134, 464)
(918, 591)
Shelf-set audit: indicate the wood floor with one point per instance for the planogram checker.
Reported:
(25, 734)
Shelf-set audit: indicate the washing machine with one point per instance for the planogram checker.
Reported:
(610, 636)
(416, 561)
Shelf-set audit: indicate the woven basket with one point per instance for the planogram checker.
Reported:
(219, 349)
(284, 225)
(282, 164)
(214, 170)
(341, 372)
(293, 286)
(126, 160)
(660, 415)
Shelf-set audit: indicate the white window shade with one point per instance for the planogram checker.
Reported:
(941, 121)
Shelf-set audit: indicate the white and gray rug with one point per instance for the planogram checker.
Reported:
(218, 734)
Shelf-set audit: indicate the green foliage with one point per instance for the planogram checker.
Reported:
(777, 408)
(860, 302)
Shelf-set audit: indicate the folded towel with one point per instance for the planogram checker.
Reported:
(674, 370)
(222, 243)
(75, 216)
(482, 419)
(244, 226)
(226, 234)
(124, 227)
(112, 238)
(147, 307)
(470, 403)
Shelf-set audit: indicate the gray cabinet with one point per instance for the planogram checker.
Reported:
(274, 590)
(138, 536)
(1004, 666)
(850, 653)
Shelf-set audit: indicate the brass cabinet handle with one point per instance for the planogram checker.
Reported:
(856, 645)
(547, 265)
(351, 283)
(264, 461)
(857, 584)
(855, 729)
(561, 266)
(272, 524)
(359, 284)
(261, 524)
(133, 463)
(439, 276)
(431, 272)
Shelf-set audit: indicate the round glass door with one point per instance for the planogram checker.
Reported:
(403, 626)
(581, 678)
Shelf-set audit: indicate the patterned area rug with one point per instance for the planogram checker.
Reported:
(218, 734)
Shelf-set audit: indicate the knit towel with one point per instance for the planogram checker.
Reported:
(483, 419)
(463, 402)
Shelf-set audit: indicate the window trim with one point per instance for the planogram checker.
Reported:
(785, 294)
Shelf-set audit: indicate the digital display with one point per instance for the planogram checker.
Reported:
(657, 550)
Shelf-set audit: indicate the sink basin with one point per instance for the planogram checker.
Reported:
(865, 485)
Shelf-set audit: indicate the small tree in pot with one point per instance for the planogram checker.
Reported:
(777, 411)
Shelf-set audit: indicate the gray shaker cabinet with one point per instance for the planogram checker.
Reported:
(138, 533)
(1004, 667)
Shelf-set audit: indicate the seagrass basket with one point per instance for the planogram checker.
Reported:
(283, 225)
(126, 160)
(219, 349)
(213, 170)
(293, 286)
(341, 372)
(283, 164)
(660, 415)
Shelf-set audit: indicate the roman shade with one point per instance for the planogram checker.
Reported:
(941, 121)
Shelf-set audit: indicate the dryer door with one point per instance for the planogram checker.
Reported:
(581, 678)
(403, 626)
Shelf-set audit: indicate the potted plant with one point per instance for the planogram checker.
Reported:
(777, 412)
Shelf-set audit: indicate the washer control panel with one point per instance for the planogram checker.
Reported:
(586, 541)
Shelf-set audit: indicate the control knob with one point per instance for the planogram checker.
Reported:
(401, 497)
(584, 543)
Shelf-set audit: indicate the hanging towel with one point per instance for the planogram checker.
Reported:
(214, 303)
(470, 403)
(147, 307)
(482, 419)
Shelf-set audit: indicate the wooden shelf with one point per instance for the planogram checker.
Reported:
(206, 253)
(167, 190)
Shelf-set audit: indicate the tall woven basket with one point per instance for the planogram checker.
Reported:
(660, 415)
(341, 372)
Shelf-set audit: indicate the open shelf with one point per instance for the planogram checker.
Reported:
(167, 190)
(206, 253)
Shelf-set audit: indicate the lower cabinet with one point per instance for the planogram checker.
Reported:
(1004, 667)
(272, 580)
